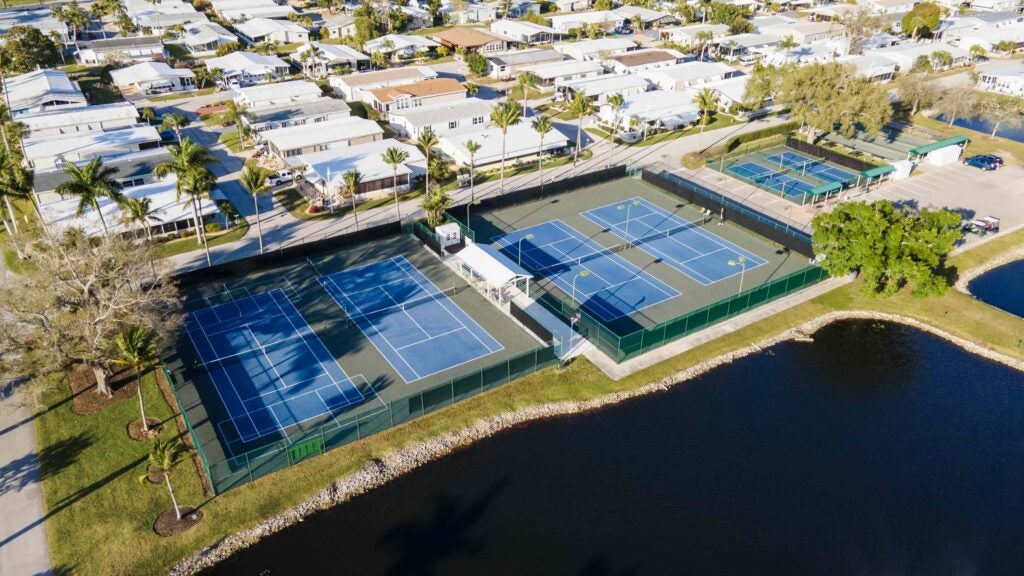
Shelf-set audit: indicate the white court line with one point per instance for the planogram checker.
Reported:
(406, 313)
(215, 384)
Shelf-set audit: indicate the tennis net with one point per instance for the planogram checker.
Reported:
(356, 315)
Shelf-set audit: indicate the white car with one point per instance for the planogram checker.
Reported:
(280, 177)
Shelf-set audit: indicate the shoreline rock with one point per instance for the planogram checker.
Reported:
(1003, 259)
(381, 471)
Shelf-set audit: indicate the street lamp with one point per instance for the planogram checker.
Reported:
(520, 243)
(742, 263)
(468, 205)
(626, 207)
(575, 312)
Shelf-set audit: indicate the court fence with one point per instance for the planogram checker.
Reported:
(623, 347)
(233, 472)
(832, 156)
(425, 235)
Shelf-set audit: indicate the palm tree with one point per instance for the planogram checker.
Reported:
(427, 140)
(148, 114)
(164, 459)
(15, 182)
(139, 211)
(472, 89)
(581, 106)
(707, 100)
(89, 183)
(255, 181)
(434, 204)
(472, 147)
(175, 122)
(705, 9)
(616, 101)
(234, 114)
(197, 185)
(186, 157)
(503, 116)
(788, 43)
(394, 157)
(541, 125)
(351, 181)
(526, 82)
(137, 345)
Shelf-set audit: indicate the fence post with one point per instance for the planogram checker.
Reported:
(248, 468)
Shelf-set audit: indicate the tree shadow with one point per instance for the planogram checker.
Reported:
(421, 545)
(53, 459)
(11, 387)
(62, 570)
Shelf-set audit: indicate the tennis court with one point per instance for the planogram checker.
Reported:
(771, 179)
(414, 325)
(269, 368)
(806, 165)
(686, 246)
(603, 282)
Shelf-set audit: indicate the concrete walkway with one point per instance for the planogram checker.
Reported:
(23, 547)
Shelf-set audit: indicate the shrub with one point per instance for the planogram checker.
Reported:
(213, 227)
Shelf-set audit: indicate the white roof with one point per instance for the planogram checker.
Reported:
(398, 42)
(263, 26)
(732, 88)
(715, 29)
(520, 27)
(147, 72)
(595, 17)
(206, 32)
(429, 115)
(90, 144)
(522, 140)
(595, 46)
(278, 93)
(41, 19)
(496, 269)
(651, 106)
(688, 71)
(80, 117)
(648, 15)
(237, 62)
(34, 87)
(331, 52)
(566, 68)
(384, 77)
(868, 65)
(244, 9)
(366, 158)
(305, 135)
(1004, 68)
(163, 196)
(606, 84)
(915, 50)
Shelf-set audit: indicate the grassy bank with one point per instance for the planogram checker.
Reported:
(981, 143)
(189, 244)
(102, 496)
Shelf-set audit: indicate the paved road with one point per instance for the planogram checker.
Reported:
(23, 547)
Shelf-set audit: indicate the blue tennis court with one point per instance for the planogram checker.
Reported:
(415, 326)
(771, 179)
(269, 368)
(685, 246)
(808, 165)
(605, 283)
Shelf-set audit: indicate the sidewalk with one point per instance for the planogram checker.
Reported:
(23, 547)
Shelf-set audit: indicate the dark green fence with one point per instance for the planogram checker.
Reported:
(234, 472)
(627, 346)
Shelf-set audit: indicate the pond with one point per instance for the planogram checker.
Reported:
(976, 123)
(877, 449)
(1002, 287)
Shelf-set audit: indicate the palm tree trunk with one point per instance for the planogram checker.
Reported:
(142, 406)
(501, 177)
(14, 219)
(576, 153)
(472, 176)
(170, 490)
(259, 223)
(394, 185)
(355, 215)
(198, 224)
(96, 206)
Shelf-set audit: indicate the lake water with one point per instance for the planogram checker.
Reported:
(1002, 287)
(875, 450)
(980, 125)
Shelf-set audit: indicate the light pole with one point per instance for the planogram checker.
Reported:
(520, 243)
(575, 312)
(468, 206)
(626, 207)
(742, 263)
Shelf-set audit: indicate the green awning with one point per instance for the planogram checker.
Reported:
(877, 171)
(826, 188)
(922, 150)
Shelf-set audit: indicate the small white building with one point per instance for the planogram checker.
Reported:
(905, 55)
(339, 26)
(238, 10)
(322, 109)
(67, 121)
(874, 68)
(691, 35)
(397, 46)
(651, 110)
(277, 94)
(806, 32)
(521, 143)
(249, 67)
(509, 65)
(550, 75)
(421, 94)
(320, 136)
(645, 59)
(450, 118)
(1006, 77)
(260, 30)
(41, 90)
(121, 50)
(996, 5)
(203, 38)
(649, 18)
(600, 88)
(988, 37)
(354, 87)
(606, 19)
(318, 58)
(161, 16)
(688, 75)
(325, 171)
(48, 151)
(153, 78)
(41, 19)
(524, 32)
(596, 49)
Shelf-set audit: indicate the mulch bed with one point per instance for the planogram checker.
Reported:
(83, 387)
(167, 523)
(135, 431)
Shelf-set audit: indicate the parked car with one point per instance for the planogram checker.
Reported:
(168, 137)
(982, 226)
(983, 161)
(280, 177)
(993, 158)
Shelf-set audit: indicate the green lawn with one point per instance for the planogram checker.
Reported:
(99, 92)
(230, 140)
(182, 95)
(981, 143)
(189, 244)
(720, 121)
(99, 517)
(296, 204)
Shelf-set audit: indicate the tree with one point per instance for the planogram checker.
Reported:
(125, 24)
(503, 116)
(234, 114)
(857, 25)
(945, 59)
(148, 114)
(542, 125)
(225, 49)
(1006, 46)
(707, 100)
(602, 4)
(740, 25)
(1002, 111)
(922, 20)
(139, 211)
(30, 49)
(164, 459)
(916, 89)
(526, 82)
(186, 157)
(15, 184)
(704, 38)
(73, 16)
(204, 76)
(350, 187)
(427, 141)
(615, 101)
(435, 202)
(829, 96)
(978, 52)
(197, 184)
(395, 157)
(378, 60)
(787, 44)
(472, 147)
(957, 102)
(174, 121)
(472, 89)
(887, 248)
(67, 308)
(137, 345)
(762, 85)
(581, 106)
(89, 183)
(705, 10)
(477, 64)
(254, 180)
